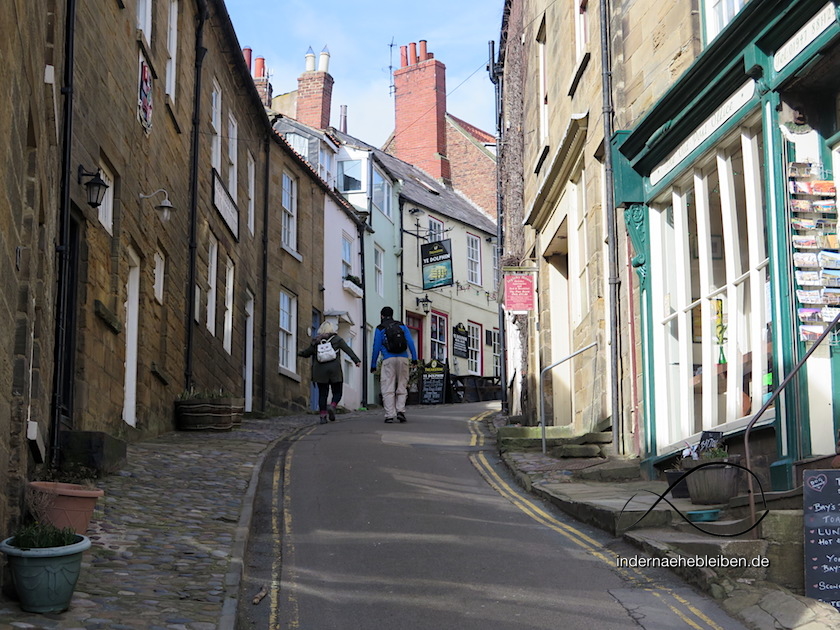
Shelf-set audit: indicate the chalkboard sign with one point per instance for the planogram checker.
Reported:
(821, 509)
(460, 341)
(433, 384)
(709, 439)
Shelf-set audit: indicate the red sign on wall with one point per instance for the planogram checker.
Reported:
(519, 293)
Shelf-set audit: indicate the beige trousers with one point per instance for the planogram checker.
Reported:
(393, 382)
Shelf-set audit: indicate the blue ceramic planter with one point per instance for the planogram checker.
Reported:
(45, 578)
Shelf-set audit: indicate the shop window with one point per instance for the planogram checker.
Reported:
(437, 334)
(710, 284)
(718, 13)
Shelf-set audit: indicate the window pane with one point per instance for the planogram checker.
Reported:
(350, 175)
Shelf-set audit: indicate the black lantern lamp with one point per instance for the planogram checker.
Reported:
(425, 302)
(95, 186)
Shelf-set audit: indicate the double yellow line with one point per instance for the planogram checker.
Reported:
(682, 608)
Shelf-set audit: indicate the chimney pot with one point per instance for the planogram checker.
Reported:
(412, 53)
(310, 60)
(246, 52)
(423, 52)
(403, 56)
(259, 67)
(324, 61)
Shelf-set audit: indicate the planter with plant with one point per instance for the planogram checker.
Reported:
(713, 481)
(45, 563)
(64, 497)
(353, 284)
(215, 410)
(672, 476)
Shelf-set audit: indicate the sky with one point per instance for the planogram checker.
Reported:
(359, 35)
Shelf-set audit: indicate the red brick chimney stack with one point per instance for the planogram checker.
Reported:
(420, 111)
(314, 93)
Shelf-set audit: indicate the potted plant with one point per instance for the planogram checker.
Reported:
(672, 476)
(713, 481)
(353, 284)
(213, 409)
(64, 497)
(45, 562)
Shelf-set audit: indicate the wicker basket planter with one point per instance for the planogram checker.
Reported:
(711, 485)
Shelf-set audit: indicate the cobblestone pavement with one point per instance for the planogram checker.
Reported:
(167, 537)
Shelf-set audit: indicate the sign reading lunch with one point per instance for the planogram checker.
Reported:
(821, 512)
(714, 122)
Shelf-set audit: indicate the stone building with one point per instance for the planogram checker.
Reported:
(196, 267)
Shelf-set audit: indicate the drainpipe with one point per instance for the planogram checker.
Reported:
(401, 272)
(264, 305)
(612, 246)
(362, 228)
(64, 230)
(495, 70)
(200, 52)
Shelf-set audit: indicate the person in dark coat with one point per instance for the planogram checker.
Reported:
(328, 375)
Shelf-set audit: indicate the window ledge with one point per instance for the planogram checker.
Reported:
(353, 288)
(289, 374)
(581, 66)
(294, 254)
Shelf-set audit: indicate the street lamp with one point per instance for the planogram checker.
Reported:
(95, 186)
(164, 206)
(424, 302)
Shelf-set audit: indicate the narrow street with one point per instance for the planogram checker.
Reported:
(360, 524)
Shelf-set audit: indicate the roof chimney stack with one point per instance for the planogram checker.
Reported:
(420, 113)
(314, 93)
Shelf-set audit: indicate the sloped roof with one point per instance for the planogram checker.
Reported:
(423, 190)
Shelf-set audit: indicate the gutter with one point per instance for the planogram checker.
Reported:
(200, 52)
(63, 246)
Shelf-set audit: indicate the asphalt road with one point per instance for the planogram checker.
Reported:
(364, 525)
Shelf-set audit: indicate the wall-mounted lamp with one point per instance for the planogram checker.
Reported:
(490, 239)
(95, 186)
(415, 211)
(164, 206)
(425, 302)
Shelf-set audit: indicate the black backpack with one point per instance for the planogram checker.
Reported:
(394, 337)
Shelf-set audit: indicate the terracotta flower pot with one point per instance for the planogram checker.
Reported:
(66, 504)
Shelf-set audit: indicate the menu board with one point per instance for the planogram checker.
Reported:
(821, 509)
(433, 384)
(460, 341)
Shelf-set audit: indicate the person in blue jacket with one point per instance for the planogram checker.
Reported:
(393, 341)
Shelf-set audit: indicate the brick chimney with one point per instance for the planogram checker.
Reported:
(420, 111)
(314, 93)
(260, 77)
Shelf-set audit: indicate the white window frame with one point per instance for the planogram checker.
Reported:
(172, 50)
(144, 19)
(475, 339)
(160, 276)
(287, 328)
(233, 157)
(379, 270)
(212, 272)
(341, 176)
(497, 353)
(578, 245)
(436, 230)
(299, 143)
(105, 211)
(227, 335)
(346, 255)
(289, 204)
(326, 165)
(439, 344)
(216, 127)
(381, 193)
(581, 27)
(740, 277)
(718, 13)
(252, 190)
(542, 83)
(474, 259)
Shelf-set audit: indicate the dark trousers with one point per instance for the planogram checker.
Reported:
(323, 392)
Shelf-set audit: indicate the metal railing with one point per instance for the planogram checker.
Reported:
(776, 393)
(543, 372)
